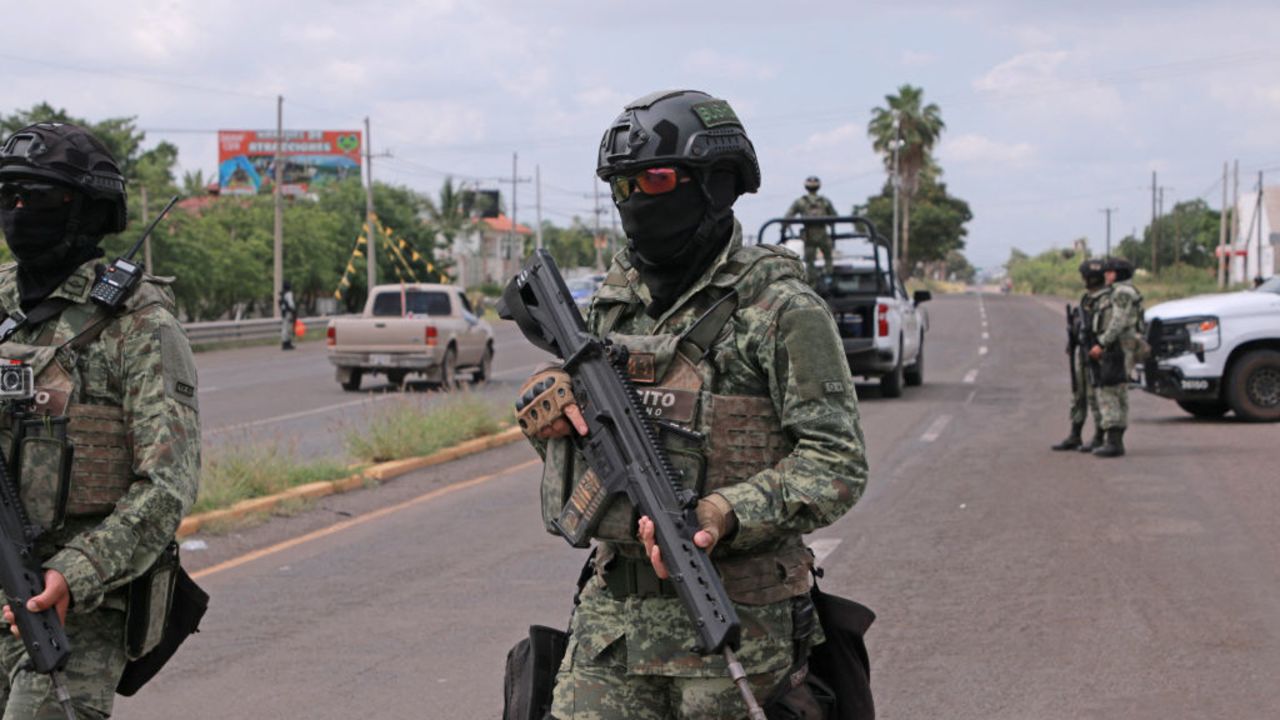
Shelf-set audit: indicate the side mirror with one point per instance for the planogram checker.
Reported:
(921, 296)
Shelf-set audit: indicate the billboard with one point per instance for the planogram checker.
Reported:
(312, 158)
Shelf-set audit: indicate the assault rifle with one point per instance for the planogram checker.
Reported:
(622, 449)
(1073, 344)
(22, 578)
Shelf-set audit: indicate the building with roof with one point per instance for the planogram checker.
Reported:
(1256, 249)
(490, 250)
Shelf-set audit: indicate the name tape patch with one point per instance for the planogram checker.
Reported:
(833, 387)
(714, 113)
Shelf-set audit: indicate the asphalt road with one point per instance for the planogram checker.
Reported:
(1010, 581)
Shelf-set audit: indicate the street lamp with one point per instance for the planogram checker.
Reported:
(897, 182)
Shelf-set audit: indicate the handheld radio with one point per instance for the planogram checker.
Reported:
(121, 276)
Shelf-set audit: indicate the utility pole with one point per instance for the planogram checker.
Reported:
(278, 244)
(146, 246)
(1262, 215)
(1154, 227)
(537, 182)
(595, 238)
(1222, 233)
(370, 251)
(1233, 230)
(1108, 211)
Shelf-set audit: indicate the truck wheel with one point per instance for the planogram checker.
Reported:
(891, 384)
(914, 375)
(449, 370)
(483, 372)
(1204, 408)
(1253, 389)
(352, 381)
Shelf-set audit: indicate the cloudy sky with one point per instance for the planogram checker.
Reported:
(1052, 114)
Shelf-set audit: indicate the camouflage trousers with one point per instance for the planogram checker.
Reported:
(811, 247)
(1084, 399)
(1113, 406)
(96, 663)
(600, 688)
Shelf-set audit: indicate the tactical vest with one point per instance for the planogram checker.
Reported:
(96, 437)
(729, 439)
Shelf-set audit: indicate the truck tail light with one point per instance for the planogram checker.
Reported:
(882, 320)
(332, 336)
(432, 336)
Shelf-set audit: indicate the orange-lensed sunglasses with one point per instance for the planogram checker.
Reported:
(650, 181)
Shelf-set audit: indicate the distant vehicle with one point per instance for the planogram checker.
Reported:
(414, 329)
(583, 289)
(1215, 353)
(882, 328)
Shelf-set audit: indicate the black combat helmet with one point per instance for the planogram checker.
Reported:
(68, 155)
(687, 127)
(812, 183)
(1092, 271)
(1121, 267)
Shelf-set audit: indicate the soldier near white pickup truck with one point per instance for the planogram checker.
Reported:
(881, 327)
(421, 329)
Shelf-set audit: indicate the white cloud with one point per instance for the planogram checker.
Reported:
(1026, 71)
(974, 148)
(434, 122)
(839, 137)
(724, 65)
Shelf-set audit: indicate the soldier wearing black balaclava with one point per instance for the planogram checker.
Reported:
(729, 342)
(114, 390)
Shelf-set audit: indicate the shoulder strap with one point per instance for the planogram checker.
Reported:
(49, 307)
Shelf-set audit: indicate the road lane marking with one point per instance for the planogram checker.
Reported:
(935, 429)
(356, 521)
(972, 395)
(971, 376)
(986, 335)
(822, 548)
(296, 415)
(982, 350)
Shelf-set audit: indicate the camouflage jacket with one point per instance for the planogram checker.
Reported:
(780, 344)
(812, 205)
(141, 363)
(1118, 314)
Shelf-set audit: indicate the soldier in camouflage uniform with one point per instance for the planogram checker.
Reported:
(1083, 396)
(761, 377)
(816, 237)
(1115, 326)
(126, 382)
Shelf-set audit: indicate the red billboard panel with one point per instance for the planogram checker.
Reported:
(312, 158)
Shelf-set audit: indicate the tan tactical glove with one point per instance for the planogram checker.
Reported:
(546, 407)
(716, 518)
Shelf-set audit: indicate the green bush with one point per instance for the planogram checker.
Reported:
(408, 427)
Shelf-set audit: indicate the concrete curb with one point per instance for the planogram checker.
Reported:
(380, 472)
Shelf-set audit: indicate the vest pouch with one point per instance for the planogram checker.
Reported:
(149, 599)
(53, 383)
(44, 470)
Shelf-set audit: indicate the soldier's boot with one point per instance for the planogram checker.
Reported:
(286, 345)
(1114, 445)
(1093, 444)
(1073, 440)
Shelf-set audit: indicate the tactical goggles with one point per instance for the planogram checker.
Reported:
(35, 196)
(650, 181)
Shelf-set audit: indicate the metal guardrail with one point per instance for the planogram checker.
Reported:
(219, 331)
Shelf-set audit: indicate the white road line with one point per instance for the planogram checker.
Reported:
(971, 377)
(935, 429)
(822, 548)
(972, 395)
(982, 350)
(986, 336)
(300, 414)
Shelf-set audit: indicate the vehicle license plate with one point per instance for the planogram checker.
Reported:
(379, 359)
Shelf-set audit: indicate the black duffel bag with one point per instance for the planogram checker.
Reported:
(841, 662)
(185, 611)
(531, 673)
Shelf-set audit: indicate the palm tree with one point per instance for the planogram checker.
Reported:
(448, 215)
(194, 184)
(917, 127)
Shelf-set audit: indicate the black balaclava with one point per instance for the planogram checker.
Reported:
(50, 245)
(675, 236)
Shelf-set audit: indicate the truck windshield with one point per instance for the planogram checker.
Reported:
(420, 304)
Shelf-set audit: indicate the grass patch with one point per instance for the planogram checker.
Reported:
(1056, 273)
(409, 427)
(241, 472)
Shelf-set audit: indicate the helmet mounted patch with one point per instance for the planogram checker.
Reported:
(714, 113)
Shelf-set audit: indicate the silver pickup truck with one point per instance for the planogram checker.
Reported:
(413, 329)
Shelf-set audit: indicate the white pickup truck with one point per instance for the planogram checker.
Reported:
(1214, 353)
(413, 329)
(881, 326)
